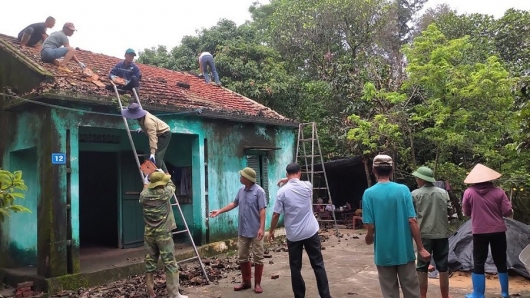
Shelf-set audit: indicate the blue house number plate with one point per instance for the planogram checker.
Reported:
(58, 158)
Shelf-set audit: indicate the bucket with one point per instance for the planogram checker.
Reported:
(525, 257)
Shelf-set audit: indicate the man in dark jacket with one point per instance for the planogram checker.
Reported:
(126, 73)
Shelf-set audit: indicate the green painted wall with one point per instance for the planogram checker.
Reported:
(23, 234)
(19, 231)
(226, 143)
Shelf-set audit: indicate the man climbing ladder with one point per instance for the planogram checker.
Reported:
(156, 129)
(135, 111)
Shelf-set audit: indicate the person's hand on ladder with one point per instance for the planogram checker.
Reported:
(152, 158)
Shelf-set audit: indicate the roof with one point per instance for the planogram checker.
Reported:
(158, 87)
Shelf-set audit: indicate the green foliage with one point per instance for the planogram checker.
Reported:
(466, 107)
(512, 40)
(380, 131)
(449, 92)
(11, 188)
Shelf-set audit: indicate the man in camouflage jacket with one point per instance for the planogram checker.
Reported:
(159, 222)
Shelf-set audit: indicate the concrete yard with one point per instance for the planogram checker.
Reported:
(351, 273)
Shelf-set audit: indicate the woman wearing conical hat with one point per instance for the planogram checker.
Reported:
(487, 205)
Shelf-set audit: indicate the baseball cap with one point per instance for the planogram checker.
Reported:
(69, 26)
(382, 160)
(130, 51)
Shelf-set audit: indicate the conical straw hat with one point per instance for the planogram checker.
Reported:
(481, 173)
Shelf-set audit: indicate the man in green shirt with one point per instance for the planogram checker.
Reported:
(159, 222)
(431, 204)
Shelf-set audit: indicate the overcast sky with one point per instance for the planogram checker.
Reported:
(112, 26)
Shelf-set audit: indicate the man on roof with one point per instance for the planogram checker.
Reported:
(35, 33)
(57, 45)
(205, 61)
(126, 73)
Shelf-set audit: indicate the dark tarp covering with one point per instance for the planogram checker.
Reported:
(461, 248)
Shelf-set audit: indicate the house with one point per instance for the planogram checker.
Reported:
(91, 201)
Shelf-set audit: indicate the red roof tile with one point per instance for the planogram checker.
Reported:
(158, 86)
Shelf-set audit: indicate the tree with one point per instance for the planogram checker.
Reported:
(379, 131)
(512, 40)
(244, 63)
(466, 107)
(11, 185)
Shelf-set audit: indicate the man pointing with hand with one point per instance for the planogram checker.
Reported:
(251, 225)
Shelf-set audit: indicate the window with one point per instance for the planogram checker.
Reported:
(260, 164)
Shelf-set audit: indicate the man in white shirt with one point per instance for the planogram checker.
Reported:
(301, 227)
(205, 61)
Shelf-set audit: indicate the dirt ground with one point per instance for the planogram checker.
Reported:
(351, 273)
(349, 265)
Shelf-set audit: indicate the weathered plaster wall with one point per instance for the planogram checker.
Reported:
(226, 143)
(19, 232)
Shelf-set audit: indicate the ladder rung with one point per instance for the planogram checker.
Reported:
(320, 188)
(142, 155)
(307, 155)
(306, 140)
(189, 259)
(179, 232)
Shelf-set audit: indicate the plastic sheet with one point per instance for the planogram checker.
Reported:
(461, 248)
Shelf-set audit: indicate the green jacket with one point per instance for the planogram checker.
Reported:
(431, 204)
(158, 212)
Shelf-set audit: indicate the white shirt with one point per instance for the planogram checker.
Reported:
(294, 200)
(204, 54)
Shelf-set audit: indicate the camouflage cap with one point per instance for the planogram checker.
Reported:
(382, 160)
(158, 179)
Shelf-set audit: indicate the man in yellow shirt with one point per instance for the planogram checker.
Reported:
(157, 131)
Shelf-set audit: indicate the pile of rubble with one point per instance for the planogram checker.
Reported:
(191, 274)
(23, 290)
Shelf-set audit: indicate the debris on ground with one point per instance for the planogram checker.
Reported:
(190, 274)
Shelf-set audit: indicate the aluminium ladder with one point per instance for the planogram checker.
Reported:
(307, 162)
(136, 157)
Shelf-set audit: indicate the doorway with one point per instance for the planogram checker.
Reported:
(98, 202)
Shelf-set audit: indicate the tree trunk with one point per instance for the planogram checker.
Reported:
(367, 172)
(412, 152)
(436, 160)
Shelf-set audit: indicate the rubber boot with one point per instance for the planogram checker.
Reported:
(172, 285)
(24, 40)
(258, 272)
(424, 283)
(479, 286)
(444, 284)
(246, 271)
(150, 285)
(503, 279)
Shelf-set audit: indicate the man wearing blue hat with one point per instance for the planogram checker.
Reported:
(431, 204)
(157, 131)
(126, 73)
